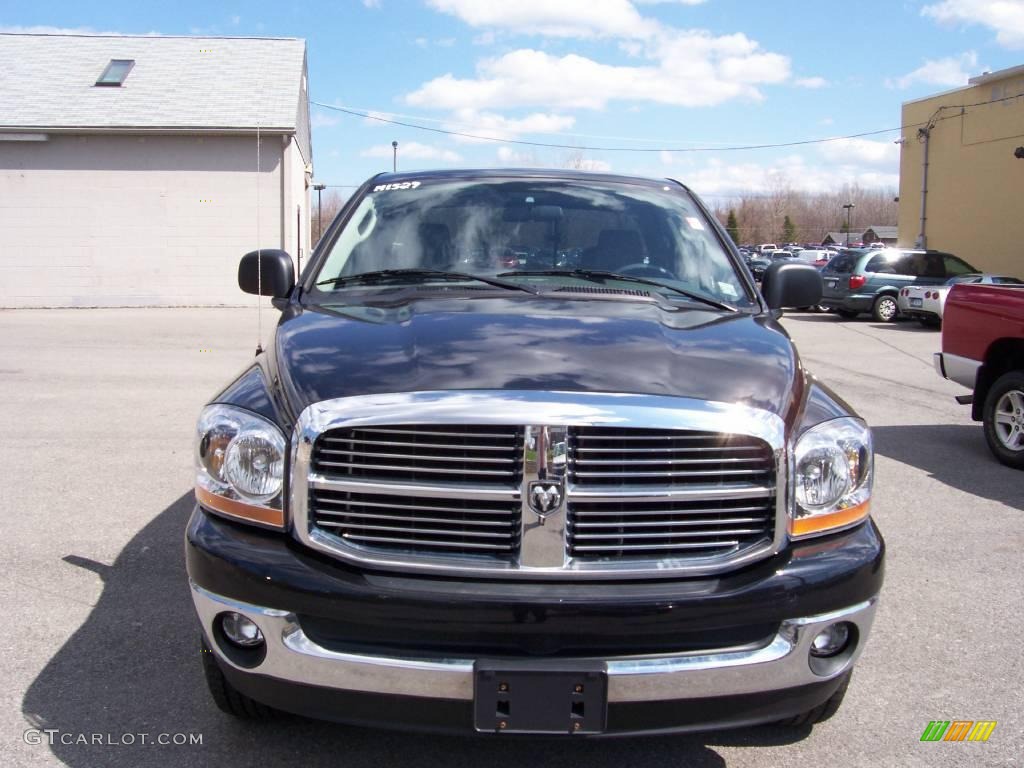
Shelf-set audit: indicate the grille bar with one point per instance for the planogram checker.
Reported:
(665, 493)
(464, 545)
(428, 489)
(673, 523)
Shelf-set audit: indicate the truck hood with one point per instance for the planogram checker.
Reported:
(593, 345)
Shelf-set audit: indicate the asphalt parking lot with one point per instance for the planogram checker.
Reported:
(99, 406)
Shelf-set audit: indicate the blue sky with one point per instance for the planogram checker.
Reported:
(645, 74)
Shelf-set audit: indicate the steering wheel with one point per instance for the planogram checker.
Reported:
(640, 270)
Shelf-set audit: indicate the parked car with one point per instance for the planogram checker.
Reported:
(868, 280)
(758, 265)
(600, 500)
(819, 257)
(925, 303)
(983, 350)
(763, 247)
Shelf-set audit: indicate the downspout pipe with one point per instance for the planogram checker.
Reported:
(922, 238)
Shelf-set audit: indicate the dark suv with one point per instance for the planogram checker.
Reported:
(596, 498)
(865, 280)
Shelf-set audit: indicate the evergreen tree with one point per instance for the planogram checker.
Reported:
(788, 230)
(733, 227)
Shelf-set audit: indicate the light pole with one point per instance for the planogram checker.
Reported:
(319, 209)
(394, 157)
(849, 209)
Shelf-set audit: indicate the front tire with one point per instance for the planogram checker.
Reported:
(1003, 419)
(885, 309)
(228, 698)
(824, 711)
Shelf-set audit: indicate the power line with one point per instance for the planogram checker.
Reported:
(549, 145)
(731, 148)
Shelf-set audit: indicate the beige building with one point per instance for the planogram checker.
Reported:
(128, 166)
(961, 185)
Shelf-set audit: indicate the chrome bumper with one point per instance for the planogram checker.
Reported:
(783, 663)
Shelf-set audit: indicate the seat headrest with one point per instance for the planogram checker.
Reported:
(625, 241)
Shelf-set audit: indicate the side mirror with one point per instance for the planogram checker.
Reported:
(791, 284)
(267, 272)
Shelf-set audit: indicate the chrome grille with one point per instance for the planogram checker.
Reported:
(419, 525)
(388, 513)
(539, 485)
(603, 456)
(734, 510)
(422, 453)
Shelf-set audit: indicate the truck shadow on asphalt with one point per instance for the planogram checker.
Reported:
(133, 668)
(953, 454)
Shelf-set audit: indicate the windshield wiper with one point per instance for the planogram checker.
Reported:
(389, 275)
(600, 276)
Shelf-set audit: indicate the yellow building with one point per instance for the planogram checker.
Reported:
(961, 174)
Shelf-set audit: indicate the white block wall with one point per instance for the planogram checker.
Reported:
(118, 220)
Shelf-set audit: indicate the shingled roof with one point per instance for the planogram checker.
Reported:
(198, 83)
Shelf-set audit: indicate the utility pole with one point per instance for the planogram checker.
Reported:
(849, 208)
(394, 157)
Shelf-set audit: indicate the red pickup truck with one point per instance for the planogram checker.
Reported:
(983, 349)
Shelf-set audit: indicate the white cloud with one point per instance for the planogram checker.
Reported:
(682, 67)
(371, 3)
(947, 72)
(717, 178)
(552, 18)
(413, 150)
(42, 29)
(493, 125)
(320, 120)
(692, 69)
(862, 152)
(1006, 17)
(578, 160)
(810, 82)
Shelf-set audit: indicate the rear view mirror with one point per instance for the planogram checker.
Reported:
(267, 272)
(791, 284)
(534, 213)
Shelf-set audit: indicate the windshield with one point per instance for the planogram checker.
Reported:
(516, 228)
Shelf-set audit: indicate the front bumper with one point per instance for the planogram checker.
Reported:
(280, 587)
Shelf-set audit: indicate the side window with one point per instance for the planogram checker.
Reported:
(881, 263)
(912, 264)
(955, 266)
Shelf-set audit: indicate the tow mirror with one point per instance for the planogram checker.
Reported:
(267, 272)
(791, 284)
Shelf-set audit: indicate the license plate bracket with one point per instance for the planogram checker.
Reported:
(569, 698)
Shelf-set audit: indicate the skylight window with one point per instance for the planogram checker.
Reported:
(115, 73)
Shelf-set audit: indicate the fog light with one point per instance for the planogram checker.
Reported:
(831, 640)
(240, 630)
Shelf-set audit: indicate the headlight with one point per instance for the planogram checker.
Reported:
(833, 477)
(240, 465)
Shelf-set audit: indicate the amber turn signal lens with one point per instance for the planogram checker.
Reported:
(240, 510)
(841, 518)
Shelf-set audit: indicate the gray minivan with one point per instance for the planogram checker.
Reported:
(869, 280)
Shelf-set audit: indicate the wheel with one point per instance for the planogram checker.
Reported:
(824, 711)
(1003, 418)
(885, 309)
(227, 698)
(847, 314)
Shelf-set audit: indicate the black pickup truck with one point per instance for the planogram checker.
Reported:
(529, 453)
